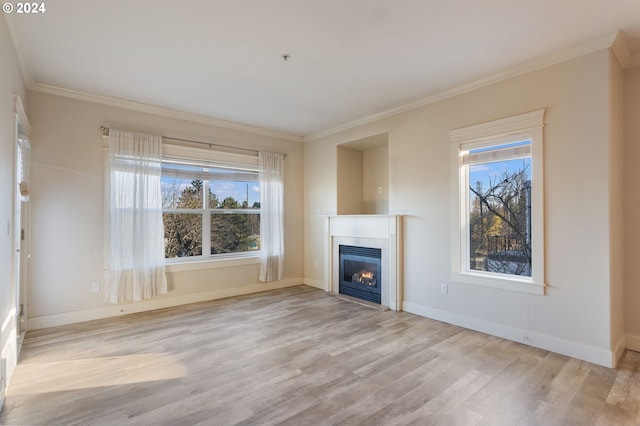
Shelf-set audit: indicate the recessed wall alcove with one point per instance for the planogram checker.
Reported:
(363, 176)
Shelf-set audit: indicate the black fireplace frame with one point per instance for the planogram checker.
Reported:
(367, 255)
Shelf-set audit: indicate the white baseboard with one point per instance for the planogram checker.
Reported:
(632, 342)
(314, 283)
(577, 350)
(619, 350)
(64, 318)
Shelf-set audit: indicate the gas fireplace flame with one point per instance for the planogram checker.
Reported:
(365, 277)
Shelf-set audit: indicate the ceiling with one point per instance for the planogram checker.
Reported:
(348, 59)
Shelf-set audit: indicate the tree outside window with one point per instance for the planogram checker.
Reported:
(210, 216)
(500, 217)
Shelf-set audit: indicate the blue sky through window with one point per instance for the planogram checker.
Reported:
(239, 191)
(495, 147)
(492, 171)
(241, 185)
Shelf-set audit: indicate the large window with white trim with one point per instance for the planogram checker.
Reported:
(211, 209)
(500, 232)
(498, 212)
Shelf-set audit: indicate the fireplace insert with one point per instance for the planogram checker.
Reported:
(360, 272)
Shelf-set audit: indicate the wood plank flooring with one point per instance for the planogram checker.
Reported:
(298, 356)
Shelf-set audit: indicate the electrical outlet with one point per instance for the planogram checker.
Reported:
(379, 190)
(444, 288)
(95, 286)
(317, 264)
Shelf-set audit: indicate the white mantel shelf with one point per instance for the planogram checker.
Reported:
(381, 231)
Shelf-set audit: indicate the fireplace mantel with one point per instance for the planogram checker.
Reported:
(376, 231)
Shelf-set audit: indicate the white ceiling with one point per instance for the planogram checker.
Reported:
(349, 59)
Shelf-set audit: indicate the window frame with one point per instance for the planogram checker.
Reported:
(528, 126)
(214, 159)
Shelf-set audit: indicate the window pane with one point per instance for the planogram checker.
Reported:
(234, 195)
(182, 235)
(181, 193)
(234, 233)
(500, 217)
(188, 186)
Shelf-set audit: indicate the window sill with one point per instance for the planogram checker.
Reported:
(521, 285)
(212, 263)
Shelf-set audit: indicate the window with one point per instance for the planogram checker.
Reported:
(499, 208)
(210, 208)
(499, 241)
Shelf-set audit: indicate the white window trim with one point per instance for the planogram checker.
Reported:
(518, 127)
(219, 261)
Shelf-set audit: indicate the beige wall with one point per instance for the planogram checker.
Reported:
(375, 180)
(632, 206)
(349, 181)
(11, 83)
(363, 180)
(616, 200)
(68, 210)
(576, 312)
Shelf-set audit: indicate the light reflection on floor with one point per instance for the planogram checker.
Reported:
(43, 377)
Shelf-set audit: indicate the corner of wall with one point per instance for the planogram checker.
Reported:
(314, 283)
(616, 200)
(631, 201)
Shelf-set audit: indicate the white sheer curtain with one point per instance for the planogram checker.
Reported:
(24, 147)
(136, 233)
(271, 215)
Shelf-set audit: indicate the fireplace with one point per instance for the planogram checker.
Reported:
(360, 272)
(381, 232)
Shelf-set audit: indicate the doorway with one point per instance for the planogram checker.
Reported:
(21, 225)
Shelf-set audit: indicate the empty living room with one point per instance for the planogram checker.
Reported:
(333, 213)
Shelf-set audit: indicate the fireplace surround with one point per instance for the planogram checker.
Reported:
(380, 232)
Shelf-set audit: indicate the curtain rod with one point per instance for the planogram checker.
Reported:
(105, 132)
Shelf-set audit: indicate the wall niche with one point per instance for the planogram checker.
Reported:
(363, 176)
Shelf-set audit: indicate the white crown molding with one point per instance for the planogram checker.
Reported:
(18, 108)
(24, 59)
(546, 61)
(621, 50)
(615, 41)
(164, 112)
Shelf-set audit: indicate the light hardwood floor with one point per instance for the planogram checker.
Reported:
(299, 356)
